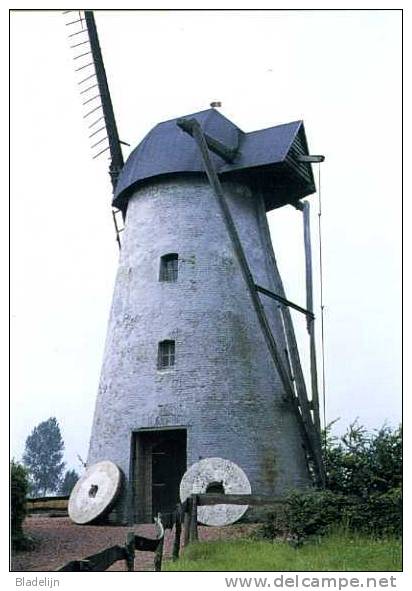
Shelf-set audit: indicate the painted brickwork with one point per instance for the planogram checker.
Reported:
(224, 388)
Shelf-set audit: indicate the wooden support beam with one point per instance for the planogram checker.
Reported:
(311, 321)
(311, 159)
(284, 301)
(193, 127)
(228, 154)
(311, 440)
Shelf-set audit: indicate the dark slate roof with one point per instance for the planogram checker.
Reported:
(267, 159)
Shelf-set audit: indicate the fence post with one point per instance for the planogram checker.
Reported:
(193, 519)
(178, 532)
(160, 530)
(159, 556)
(130, 550)
(186, 520)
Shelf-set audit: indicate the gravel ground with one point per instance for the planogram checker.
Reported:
(58, 541)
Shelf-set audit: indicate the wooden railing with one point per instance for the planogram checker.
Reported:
(183, 519)
(104, 559)
(55, 505)
(185, 516)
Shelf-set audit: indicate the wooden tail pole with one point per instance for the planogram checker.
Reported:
(311, 321)
(192, 127)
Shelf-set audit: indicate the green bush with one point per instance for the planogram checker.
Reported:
(319, 512)
(360, 464)
(19, 489)
(379, 515)
(363, 489)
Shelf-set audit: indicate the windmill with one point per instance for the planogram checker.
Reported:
(201, 359)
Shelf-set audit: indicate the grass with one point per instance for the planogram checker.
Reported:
(335, 552)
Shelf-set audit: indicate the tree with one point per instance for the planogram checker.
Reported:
(43, 456)
(68, 482)
(19, 487)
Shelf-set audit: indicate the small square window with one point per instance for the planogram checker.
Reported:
(166, 355)
(168, 267)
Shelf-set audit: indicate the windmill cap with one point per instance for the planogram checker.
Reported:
(267, 159)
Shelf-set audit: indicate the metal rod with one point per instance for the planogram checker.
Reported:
(114, 211)
(88, 78)
(80, 20)
(78, 33)
(322, 307)
(85, 66)
(97, 131)
(88, 88)
(97, 121)
(76, 57)
(78, 44)
(284, 301)
(91, 99)
(90, 112)
(99, 142)
(105, 150)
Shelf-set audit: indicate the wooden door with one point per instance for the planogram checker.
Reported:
(168, 467)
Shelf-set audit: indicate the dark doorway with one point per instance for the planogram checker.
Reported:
(160, 462)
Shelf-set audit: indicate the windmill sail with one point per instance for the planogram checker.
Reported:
(95, 93)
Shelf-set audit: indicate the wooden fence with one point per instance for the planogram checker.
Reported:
(101, 561)
(55, 506)
(185, 517)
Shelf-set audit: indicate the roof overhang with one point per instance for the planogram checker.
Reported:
(267, 159)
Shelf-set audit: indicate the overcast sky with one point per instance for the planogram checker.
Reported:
(339, 71)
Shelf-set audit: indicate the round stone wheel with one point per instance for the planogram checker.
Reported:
(219, 476)
(95, 492)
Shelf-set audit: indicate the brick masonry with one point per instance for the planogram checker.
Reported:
(224, 388)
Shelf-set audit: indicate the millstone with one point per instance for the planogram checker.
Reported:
(94, 493)
(219, 476)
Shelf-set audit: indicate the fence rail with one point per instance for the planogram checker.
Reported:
(48, 504)
(185, 516)
(183, 519)
(104, 559)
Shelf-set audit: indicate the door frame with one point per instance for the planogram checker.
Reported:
(136, 487)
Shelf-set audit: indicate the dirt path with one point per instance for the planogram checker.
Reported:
(58, 541)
